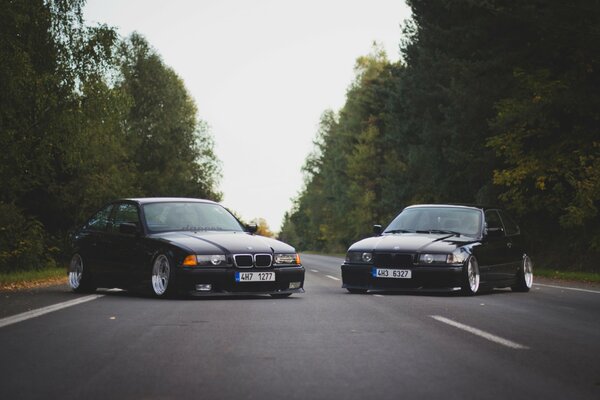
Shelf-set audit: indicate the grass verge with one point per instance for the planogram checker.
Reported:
(567, 275)
(31, 279)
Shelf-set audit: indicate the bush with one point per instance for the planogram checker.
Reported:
(22, 244)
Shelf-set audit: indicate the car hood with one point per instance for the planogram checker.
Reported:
(224, 242)
(411, 243)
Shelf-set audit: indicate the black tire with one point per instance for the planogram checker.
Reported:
(161, 276)
(280, 295)
(471, 277)
(80, 278)
(524, 276)
(357, 291)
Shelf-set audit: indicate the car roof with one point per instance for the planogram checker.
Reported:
(474, 206)
(148, 200)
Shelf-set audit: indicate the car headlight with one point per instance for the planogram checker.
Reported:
(433, 258)
(286, 259)
(359, 257)
(456, 257)
(212, 259)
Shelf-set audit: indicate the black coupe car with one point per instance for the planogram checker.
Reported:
(179, 244)
(441, 247)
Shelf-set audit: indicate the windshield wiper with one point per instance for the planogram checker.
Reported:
(442, 231)
(199, 228)
(400, 231)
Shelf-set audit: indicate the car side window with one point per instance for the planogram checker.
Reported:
(100, 220)
(510, 225)
(125, 213)
(493, 221)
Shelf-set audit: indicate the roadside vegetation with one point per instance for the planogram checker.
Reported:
(32, 279)
(589, 277)
(86, 116)
(492, 102)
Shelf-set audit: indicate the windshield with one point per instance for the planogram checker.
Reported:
(189, 216)
(462, 221)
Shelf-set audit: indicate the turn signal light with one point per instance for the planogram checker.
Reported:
(190, 261)
(297, 258)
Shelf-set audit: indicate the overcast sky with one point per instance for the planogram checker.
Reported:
(261, 73)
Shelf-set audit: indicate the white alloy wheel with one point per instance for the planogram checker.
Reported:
(472, 277)
(75, 271)
(528, 271)
(161, 271)
(524, 278)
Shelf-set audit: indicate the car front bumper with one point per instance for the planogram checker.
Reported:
(357, 276)
(222, 281)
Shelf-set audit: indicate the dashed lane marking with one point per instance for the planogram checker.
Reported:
(480, 333)
(332, 277)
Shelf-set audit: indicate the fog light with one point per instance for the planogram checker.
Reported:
(295, 285)
(204, 287)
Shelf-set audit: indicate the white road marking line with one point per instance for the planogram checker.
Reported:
(332, 277)
(378, 295)
(568, 288)
(45, 310)
(314, 270)
(483, 334)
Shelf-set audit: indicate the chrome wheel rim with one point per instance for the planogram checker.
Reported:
(528, 272)
(75, 271)
(473, 275)
(160, 274)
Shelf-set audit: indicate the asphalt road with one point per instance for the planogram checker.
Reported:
(324, 344)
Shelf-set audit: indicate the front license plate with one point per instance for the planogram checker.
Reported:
(392, 273)
(255, 276)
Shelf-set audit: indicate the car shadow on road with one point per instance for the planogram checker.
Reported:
(146, 294)
(434, 293)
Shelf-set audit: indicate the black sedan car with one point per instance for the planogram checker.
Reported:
(179, 244)
(441, 247)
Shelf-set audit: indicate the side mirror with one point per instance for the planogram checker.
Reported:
(377, 229)
(252, 228)
(494, 232)
(128, 228)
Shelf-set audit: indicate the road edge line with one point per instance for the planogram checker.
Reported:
(13, 319)
(567, 288)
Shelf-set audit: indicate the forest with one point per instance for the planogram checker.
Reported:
(493, 102)
(86, 117)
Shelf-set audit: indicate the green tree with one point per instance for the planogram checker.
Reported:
(493, 102)
(85, 118)
(346, 173)
(170, 147)
(48, 59)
